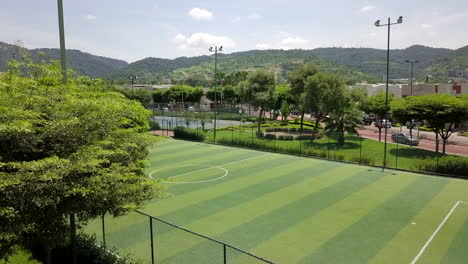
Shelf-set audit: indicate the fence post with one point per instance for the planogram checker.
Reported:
(103, 231)
(251, 135)
(224, 249)
(300, 142)
(328, 146)
(396, 156)
(152, 243)
(360, 149)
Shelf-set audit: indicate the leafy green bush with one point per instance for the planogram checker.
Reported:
(281, 137)
(189, 133)
(270, 136)
(154, 125)
(364, 159)
(463, 134)
(447, 165)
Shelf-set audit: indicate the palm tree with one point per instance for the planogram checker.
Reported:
(344, 120)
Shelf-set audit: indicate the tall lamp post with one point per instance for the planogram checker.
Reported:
(411, 91)
(377, 24)
(215, 50)
(133, 78)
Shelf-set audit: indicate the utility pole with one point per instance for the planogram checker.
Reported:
(63, 59)
(411, 92)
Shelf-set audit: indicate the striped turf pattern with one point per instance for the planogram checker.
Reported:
(291, 209)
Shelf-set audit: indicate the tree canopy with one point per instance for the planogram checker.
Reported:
(73, 149)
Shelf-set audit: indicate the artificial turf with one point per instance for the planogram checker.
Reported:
(291, 209)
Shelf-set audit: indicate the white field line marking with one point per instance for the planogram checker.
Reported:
(211, 166)
(436, 231)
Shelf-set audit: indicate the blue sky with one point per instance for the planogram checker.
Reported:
(132, 30)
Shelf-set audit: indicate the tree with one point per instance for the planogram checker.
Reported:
(259, 91)
(324, 93)
(345, 118)
(284, 97)
(66, 151)
(285, 110)
(297, 79)
(376, 105)
(441, 112)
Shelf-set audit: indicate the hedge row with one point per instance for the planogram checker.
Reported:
(189, 133)
(294, 149)
(447, 165)
(293, 129)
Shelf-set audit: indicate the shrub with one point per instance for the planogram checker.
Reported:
(189, 133)
(463, 134)
(270, 136)
(270, 130)
(447, 165)
(154, 125)
(364, 159)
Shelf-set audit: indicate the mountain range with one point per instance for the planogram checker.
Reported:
(355, 64)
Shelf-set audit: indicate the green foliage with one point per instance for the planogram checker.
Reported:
(178, 93)
(441, 112)
(154, 125)
(376, 105)
(259, 91)
(447, 165)
(189, 133)
(66, 150)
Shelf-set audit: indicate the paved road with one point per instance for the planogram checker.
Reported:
(423, 143)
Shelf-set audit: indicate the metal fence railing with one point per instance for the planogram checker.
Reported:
(152, 240)
(234, 126)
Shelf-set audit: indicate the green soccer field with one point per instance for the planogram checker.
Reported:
(290, 209)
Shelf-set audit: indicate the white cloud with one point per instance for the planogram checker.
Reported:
(254, 16)
(426, 26)
(286, 42)
(293, 41)
(263, 46)
(198, 43)
(367, 8)
(200, 14)
(90, 17)
(237, 19)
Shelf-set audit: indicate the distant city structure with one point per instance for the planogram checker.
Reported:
(403, 90)
(458, 74)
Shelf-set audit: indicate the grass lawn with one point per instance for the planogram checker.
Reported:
(291, 209)
(398, 156)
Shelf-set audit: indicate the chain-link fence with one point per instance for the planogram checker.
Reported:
(239, 127)
(148, 239)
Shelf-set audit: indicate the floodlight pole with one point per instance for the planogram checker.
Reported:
(63, 59)
(133, 77)
(215, 50)
(377, 24)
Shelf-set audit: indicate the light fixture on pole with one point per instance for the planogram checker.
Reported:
(215, 50)
(411, 91)
(133, 78)
(377, 24)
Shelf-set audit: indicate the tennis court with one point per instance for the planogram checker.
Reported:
(291, 209)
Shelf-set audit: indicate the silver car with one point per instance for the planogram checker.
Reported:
(405, 138)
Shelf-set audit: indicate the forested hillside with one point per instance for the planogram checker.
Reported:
(354, 64)
(81, 62)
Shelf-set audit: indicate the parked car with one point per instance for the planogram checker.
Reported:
(191, 108)
(383, 123)
(165, 109)
(405, 138)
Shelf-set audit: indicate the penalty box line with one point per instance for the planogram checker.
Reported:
(437, 231)
(229, 163)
